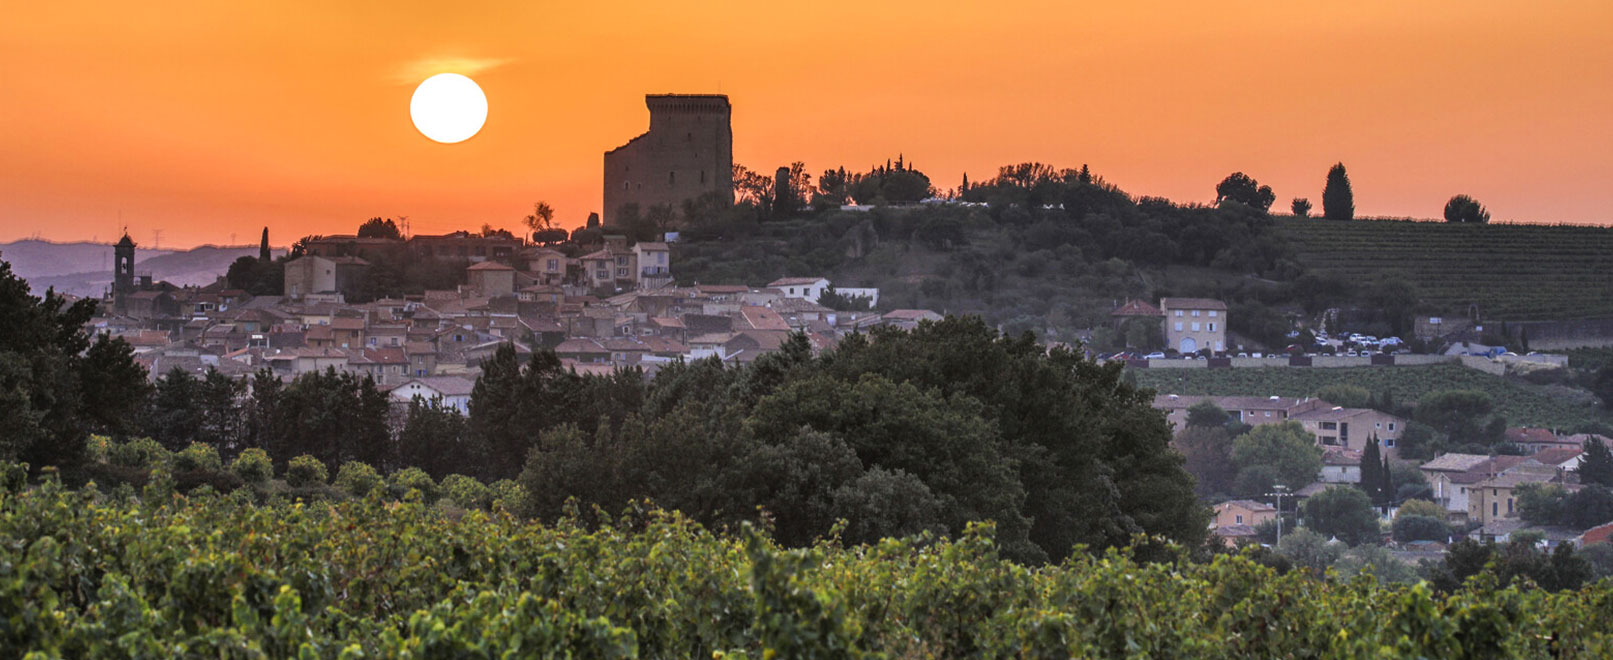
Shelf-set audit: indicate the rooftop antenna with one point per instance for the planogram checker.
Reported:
(403, 222)
(156, 239)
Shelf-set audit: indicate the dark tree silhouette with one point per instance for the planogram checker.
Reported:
(1338, 200)
(1462, 208)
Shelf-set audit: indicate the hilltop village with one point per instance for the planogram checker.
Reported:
(607, 297)
(532, 296)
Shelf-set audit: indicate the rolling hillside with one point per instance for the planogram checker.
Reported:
(1520, 272)
(85, 269)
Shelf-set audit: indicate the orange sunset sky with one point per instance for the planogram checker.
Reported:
(207, 119)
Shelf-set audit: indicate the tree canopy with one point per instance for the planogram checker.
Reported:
(893, 430)
(1287, 449)
(1241, 188)
(57, 383)
(379, 228)
(1338, 200)
(1462, 208)
(1342, 512)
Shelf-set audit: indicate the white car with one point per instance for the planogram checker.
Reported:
(1154, 356)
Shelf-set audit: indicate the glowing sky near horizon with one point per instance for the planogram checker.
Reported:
(204, 120)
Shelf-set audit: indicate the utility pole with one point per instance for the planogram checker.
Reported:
(156, 239)
(1279, 491)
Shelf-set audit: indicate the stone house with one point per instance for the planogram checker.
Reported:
(1194, 324)
(1244, 512)
(452, 391)
(1352, 428)
(805, 288)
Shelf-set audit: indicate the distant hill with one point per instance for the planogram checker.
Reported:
(1510, 271)
(85, 269)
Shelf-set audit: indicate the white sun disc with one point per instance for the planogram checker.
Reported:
(448, 108)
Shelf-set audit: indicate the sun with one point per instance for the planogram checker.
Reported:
(448, 108)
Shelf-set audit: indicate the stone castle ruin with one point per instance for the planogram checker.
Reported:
(688, 152)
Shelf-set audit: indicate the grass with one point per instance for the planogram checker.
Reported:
(1523, 404)
(1514, 272)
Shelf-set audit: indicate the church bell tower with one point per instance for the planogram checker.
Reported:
(122, 271)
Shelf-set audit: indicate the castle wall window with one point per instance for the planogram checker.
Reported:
(671, 178)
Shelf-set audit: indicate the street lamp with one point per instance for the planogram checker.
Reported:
(1279, 491)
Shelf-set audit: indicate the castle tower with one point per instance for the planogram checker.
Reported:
(688, 152)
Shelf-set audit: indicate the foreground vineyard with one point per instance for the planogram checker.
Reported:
(83, 575)
(1510, 271)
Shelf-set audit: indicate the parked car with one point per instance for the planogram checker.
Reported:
(1156, 355)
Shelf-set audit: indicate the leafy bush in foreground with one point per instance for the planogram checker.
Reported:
(89, 576)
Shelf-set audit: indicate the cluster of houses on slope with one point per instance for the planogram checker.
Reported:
(433, 344)
(1475, 490)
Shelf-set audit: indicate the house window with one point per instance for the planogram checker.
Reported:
(1391, 426)
(1509, 506)
(1178, 313)
(1389, 442)
(671, 178)
(1240, 519)
(1268, 413)
(1195, 313)
(1212, 327)
(1330, 425)
(1495, 509)
(702, 176)
(1212, 313)
(1178, 326)
(1195, 326)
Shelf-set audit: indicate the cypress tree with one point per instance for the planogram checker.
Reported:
(1386, 484)
(1597, 466)
(1338, 201)
(263, 246)
(1370, 465)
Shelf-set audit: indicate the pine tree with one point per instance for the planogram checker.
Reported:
(1338, 200)
(1597, 466)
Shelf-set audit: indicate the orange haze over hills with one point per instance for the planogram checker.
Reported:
(206, 119)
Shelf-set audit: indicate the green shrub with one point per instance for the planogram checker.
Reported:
(357, 479)
(305, 471)
(508, 494)
(13, 477)
(401, 482)
(203, 482)
(1420, 528)
(98, 448)
(465, 491)
(253, 466)
(197, 456)
(139, 453)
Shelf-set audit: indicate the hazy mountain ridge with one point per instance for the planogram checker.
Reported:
(85, 269)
